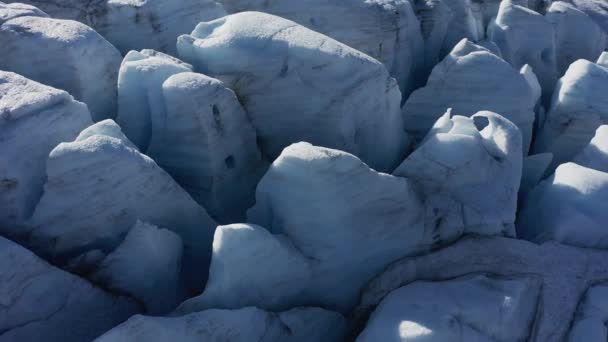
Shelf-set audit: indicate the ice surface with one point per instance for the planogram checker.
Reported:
(290, 79)
(589, 322)
(567, 207)
(534, 169)
(473, 308)
(596, 9)
(34, 118)
(468, 171)
(434, 17)
(244, 325)
(146, 265)
(75, 58)
(577, 36)
(15, 10)
(578, 108)
(206, 141)
(97, 189)
(595, 155)
(526, 37)
(106, 127)
(464, 23)
(135, 24)
(472, 79)
(386, 30)
(43, 303)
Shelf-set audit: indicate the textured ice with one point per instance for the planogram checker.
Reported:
(473, 308)
(386, 30)
(291, 79)
(15, 10)
(578, 108)
(206, 141)
(43, 303)
(567, 207)
(464, 22)
(526, 37)
(135, 24)
(595, 155)
(534, 169)
(34, 118)
(468, 80)
(243, 325)
(468, 171)
(75, 58)
(146, 265)
(96, 190)
(577, 36)
(106, 127)
(596, 9)
(434, 17)
(589, 322)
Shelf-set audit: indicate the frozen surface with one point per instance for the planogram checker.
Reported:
(43, 303)
(472, 308)
(434, 17)
(526, 37)
(75, 58)
(15, 10)
(206, 141)
(146, 265)
(290, 79)
(468, 171)
(112, 186)
(135, 24)
(243, 325)
(468, 80)
(578, 108)
(534, 169)
(596, 9)
(590, 320)
(464, 22)
(34, 118)
(577, 36)
(386, 30)
(595, 155)
(108, 128)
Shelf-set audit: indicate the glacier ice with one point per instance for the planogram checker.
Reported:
(290, 79)
(75, 58)
(589, 322)
(135, 24)
(112, 186)
(243, 325)
(464, 22)
(386, 30)
(596, 9)
(34, 118)
(147, 266)
(108, 128)
(526, 37)
(15, 10)
(577, 109)
(468, 171)
(207, 143)
(595, 155)
(473, 308)
(472, 79)
(434, 17)
(43, 303)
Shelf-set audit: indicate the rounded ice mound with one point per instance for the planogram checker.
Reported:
(471, 79)
(34, 118)
(299, 85)
(75, 58)
(14, 10)
(474, 308)
(386, 30)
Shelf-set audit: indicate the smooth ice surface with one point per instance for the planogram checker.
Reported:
(526, 37)
(206, 141)
(34, 118)
(97, 189)
(595, 155)
(534, 169)
(291, 79)
(43, 303)
(243, 325)
(590, 321)
(468, 171)
(568, 207)
(578, 108)
(386, 30)
(474, 308)
(147, 266)
(472, 79)
(577, 36)
(75, 59)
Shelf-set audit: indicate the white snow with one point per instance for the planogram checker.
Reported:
(474, 308)
(75, 59)
(34, 118)
(290, 79)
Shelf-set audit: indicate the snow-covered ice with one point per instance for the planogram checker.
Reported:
(290, 79)
(473, 308)
(34, 118)
(243, 325)
(472, 79)
(75, 58)
(589, 322)
(43, 303)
